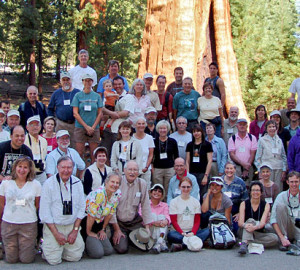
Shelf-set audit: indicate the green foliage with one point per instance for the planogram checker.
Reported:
(265, 48)
(117, 34)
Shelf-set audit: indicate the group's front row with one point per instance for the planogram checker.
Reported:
(73, 223)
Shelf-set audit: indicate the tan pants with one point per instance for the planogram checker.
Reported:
(163, 176)
(266, 239)
(286, 223)
(54, 253)
(19, 241)
(214, 169)
(147, 177)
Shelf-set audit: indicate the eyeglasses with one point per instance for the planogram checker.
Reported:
(181, 123)
(187, 187)
(132, 170)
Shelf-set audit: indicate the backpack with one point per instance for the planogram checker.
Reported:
(221, 235)
(250, 137)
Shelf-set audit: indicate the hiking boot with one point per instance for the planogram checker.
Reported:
(156, 249)
(176, 247)
(243, 248)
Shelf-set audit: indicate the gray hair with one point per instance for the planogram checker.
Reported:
(181, 117)
(188, 78)
(130, 161)
(141, 118)
(31, 87)
(132, 90)
(83, 51)
(231, 163)
(65, 158)
(111, 174)
(163, 123)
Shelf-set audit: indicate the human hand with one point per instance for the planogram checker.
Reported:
(285, 242)
(60, 238)
(117, 236)
(204, 180)
(283, 176)
(236, 217)
(72, 237)
(89, 130)
(101, 235)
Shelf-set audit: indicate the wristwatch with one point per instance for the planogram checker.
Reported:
(76, 228)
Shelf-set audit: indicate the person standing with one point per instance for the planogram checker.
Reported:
(295, 89)
(294, 116)
(291, 104)
(60, 105)
(80, 70)
(230, 127)
(176, 86)
(148, 80)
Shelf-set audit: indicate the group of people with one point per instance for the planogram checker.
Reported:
(157, 158)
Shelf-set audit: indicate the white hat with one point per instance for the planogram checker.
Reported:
(217, 180)
(193, 243)
(65, 74)
(33, 118)
(158, 186)
(275, 112)
(61, 133)
(87, 76)
(265, 165)
(148, 75)
(13, 112)
(142, 239)
(150, 109)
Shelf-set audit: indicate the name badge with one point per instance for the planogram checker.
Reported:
(36, 157)
(228, 194)
(88, 108)
(275, 151)
(295, 213)
(196, 159)
(181, 143)
(163, 155)
(67, 102)
(242, 149)
(186, 217)
(177, 191)
(138, 194)
(20, 202)
(230, 130)
(49, 148)
(269, 200)
(137, 110)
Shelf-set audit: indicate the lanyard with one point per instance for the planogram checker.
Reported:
(258, 217)
(160, 145)
(103, 175)
(58, 180)
(289, 204)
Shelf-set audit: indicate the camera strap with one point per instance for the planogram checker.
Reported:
(61, 196)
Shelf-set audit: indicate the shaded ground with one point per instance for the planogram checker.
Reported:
(13, 88)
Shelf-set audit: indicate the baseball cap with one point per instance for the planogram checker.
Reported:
(61, 133)
(242, 120)
(275, 112)
(65, 74)
(148, 75)
(217, 180)
(87, 76)
(150, 109)
(13, 112)
(33, 118)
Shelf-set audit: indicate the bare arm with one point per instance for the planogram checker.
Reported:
(221, 86)
(2, 204)
(205, 204)
(242, 215)
(187, 162)
(36, 203)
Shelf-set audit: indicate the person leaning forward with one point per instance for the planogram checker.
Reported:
(134, 193)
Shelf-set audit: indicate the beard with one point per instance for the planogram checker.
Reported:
(64, 146)
(234, 118)
(150, 122)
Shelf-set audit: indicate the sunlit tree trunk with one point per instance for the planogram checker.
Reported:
(190, 34)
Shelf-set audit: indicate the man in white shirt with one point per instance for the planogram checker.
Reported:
(62, 207)
(285, 216)
(81, 69)
(63, 149)
(148, 80)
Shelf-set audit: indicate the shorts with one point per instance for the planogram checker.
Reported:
(80, 136)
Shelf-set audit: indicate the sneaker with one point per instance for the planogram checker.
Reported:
(243, 248)
(155, 249)
(283, 248)
(176, 247)
(163, 246)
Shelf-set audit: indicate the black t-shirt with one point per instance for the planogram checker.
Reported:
(165, 153)
(285, 136)
(198, 156)
(8, 155)
(256, 215)
(174, 88)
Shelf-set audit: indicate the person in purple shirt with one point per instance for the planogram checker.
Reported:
(293, 156)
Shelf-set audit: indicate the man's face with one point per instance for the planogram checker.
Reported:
(151, 117)
(34, 128)
(2, 119)
(161, 84)
(113, 69)
(179, 167)
(63, 142)
(65, 169)
(181, 124)
(83, 58)
(294, 183)
(32, 94)
(294, 116)
(233, 113)
(213, 71)
(178, 74)
(18, 137)
(242, 127)
(118, 86)
(148, 82)
(5, 107)
(187, 85)
(13, 121)
(291, 103)
(66, 83)
(131, 172)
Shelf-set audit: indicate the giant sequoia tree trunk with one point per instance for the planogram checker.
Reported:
(191, 34)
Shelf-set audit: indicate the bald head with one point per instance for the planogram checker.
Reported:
(291, 103)
(32, 93)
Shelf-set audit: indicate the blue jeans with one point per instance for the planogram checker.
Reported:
(176, 237)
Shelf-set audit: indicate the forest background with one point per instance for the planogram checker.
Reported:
(47, 33)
